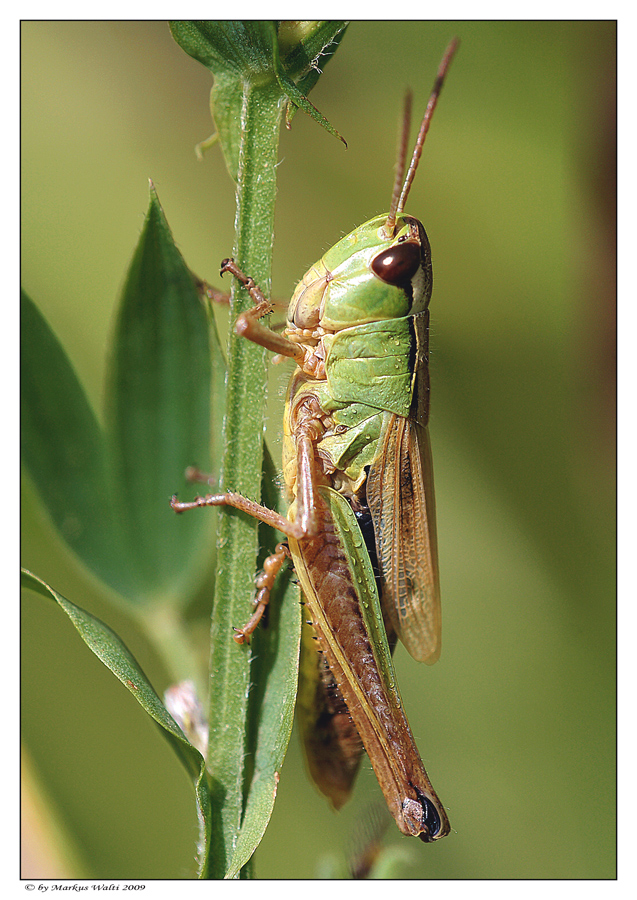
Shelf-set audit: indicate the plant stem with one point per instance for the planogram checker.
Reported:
(241, 471)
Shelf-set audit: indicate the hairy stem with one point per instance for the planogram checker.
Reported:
(241, 470)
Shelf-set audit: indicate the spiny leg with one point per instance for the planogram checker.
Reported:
(214, 296)
(272, 564)
(229, 498)
(248, 325)
(305, 522)
(265, 582)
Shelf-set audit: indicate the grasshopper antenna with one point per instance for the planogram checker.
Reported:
(398, 206)
(401, 157)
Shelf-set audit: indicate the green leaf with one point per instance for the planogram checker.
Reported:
(109, 496)
(158, 406)
(241, 55)
(310, 54)
(63, 450)
(296, 95)
(251, 689)
(275, 671)
(243, 48)
(274, 719)
(116, 656)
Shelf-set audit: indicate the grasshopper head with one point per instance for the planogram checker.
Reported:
(381, 270)
(405, 262)
(366, 277)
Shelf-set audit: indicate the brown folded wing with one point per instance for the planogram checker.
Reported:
(400, 496)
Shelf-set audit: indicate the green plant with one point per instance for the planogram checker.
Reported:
(518, 200)
(106, 489)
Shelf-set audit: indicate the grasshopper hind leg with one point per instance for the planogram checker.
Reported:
(430, 818)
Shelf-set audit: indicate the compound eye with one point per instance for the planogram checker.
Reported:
(398, 265)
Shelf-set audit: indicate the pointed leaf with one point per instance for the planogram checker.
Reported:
(63, 450)
(297, 97)
(310, 54)
(159, 408)
(116, 656)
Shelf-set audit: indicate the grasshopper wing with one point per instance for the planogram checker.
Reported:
(400, 496)
(332, 748)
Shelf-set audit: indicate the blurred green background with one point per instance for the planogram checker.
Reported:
(516, 723)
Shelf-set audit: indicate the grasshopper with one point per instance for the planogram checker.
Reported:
(357, 467)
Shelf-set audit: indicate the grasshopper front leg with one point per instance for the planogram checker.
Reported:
(248, 324)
